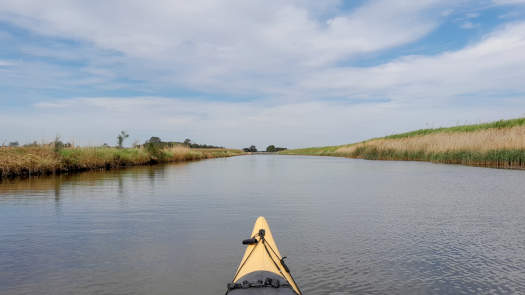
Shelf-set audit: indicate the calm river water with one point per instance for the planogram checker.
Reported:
(347, 226)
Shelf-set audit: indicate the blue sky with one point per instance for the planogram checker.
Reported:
(236, 73)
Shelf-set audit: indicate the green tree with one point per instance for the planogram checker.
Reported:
(154, 140)
(58, 144)
(270, 148)
(154, 147)
(33, 144)
(121, 137)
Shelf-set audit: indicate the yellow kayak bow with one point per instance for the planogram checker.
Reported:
(262, 269)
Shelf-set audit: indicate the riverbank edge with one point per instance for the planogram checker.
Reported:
(377, 148)
(22, 162)
(501, 159)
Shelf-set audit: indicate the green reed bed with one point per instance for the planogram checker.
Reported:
(313, 151)
(509, 159)
(499, 144)
(462, 128)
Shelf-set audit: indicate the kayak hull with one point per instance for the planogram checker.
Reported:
(262, 276)
(262, 269)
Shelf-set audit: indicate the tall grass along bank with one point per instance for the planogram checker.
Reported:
(42, 160)
(498, 144)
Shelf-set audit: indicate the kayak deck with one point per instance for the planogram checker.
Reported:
(262, 269)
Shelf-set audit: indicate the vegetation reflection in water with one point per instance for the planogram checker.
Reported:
(55, 183)
(346, 225)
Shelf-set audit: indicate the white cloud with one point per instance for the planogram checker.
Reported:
(225, 29)
(447, 12)
(506, 2)
(229, 46)
(98, 120)
(469, 25)
(5, 63)
(494, 65)
(289, 55)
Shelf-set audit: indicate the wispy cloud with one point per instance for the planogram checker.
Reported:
(283, 71)
(229, 46)
(506, 2)
(98, 120)
(5, 63)
(469, 25)
(494, 64)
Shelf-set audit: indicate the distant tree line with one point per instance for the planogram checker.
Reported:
(154, 142)
(251, 149)
(187, 142)
(270, 149)
(194, 145)
(55, 143)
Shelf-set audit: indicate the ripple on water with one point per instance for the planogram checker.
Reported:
(348, 227)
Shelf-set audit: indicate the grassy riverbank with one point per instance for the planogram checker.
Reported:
(498, 144)
(42, 160)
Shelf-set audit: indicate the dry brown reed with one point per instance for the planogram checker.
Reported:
(478, 141)
(26, 161)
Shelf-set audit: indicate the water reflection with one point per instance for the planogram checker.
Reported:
(348, 226)
(41, 185)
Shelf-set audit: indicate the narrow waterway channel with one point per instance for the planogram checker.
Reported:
(348, 227)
